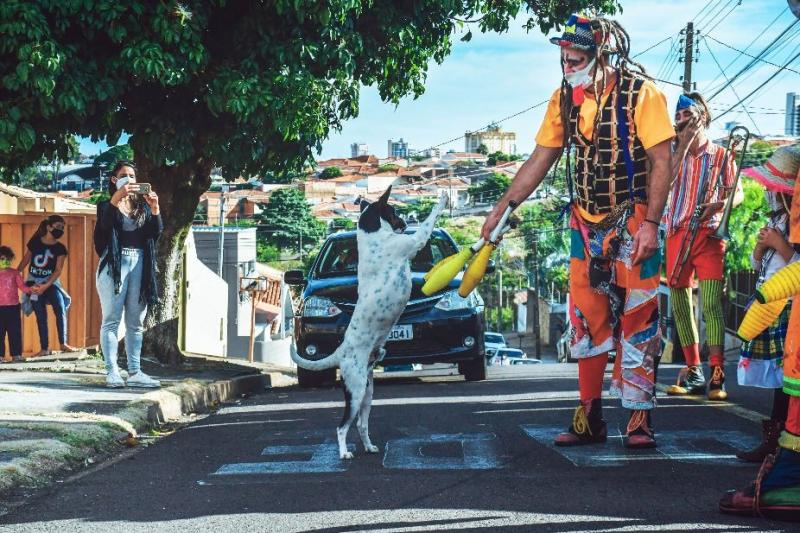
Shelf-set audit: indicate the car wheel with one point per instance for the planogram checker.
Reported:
(309, 378)
(474, 370)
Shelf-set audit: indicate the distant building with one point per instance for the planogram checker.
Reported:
(493, 138)
(792, 114)
(358, 150)
(397, 148)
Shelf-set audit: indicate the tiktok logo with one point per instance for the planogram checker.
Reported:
(41, 260)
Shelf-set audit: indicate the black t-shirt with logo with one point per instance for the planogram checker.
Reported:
(44, 257)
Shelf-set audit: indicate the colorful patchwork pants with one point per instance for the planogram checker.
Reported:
(614, 305)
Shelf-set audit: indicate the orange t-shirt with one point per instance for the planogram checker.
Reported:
(652, 121)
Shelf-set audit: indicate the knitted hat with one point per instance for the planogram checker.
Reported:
(578, 33)
(780, 171)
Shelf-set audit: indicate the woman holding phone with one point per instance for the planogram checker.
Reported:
(125, 235)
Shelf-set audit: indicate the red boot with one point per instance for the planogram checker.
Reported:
(639, 433)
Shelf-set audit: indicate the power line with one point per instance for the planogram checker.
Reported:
(737, 4)
(753, 61)
(708, 16)
(754, 91)
(751, 43)
(749, 55)
(714, 57)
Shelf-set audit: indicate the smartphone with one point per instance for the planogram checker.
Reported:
(142, 188)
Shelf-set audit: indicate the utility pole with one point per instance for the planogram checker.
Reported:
(688, 51)
(536, 327)
(221, 228)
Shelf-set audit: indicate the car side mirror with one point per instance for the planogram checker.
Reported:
(294, 277)
(491, 266)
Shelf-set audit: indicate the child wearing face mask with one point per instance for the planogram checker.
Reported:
(10, 323)
(46, 257)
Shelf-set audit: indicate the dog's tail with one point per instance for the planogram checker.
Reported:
(322, 364)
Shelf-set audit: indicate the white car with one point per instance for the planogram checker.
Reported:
(493, 341)
(505, 356)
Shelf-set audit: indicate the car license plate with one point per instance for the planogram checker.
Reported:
(401, 333)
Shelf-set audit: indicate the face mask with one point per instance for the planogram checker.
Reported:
(5, 263)
(122, 181)
(57, 233)
(580, 78)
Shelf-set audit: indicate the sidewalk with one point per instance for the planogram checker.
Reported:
(57, 416)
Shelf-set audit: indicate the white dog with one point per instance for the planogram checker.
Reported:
(384, 287)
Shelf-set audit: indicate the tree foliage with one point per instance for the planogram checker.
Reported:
(746, 219)
(500, 157)
(757, 153)
(490, 189)
(419, 209)
(109, 158)
(286, 221)
(330, 172)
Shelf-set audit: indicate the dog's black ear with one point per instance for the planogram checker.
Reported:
(384, 199)
(362, 203)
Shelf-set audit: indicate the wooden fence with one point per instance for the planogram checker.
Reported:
(77, 278)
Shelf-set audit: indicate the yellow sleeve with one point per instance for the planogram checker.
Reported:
(551, 132)
(653, 121)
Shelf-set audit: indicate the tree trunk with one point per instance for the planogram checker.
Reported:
(179, 189)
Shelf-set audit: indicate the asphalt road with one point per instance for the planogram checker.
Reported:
(455, 456)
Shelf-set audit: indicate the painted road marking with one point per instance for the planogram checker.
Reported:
(462, 451)
(690, 446)
(323, 458)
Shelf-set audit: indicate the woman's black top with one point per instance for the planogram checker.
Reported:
(108, 243)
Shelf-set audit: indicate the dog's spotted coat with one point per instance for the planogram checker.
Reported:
(384, 287)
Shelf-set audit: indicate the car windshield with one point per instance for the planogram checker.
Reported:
(510, 352)
(495, 338)
(340, 256)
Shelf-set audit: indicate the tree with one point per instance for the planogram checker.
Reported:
(420, 209)
(286, 221)
(500, 157)
(247, 87)
(388, 167)
(757, 153)
(109, 158)
(490, 189)
(330, 172)
(746, 219)
(342, 224)
(483, 149)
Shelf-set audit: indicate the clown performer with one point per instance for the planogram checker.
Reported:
(775, 493)
(703, 175)
(761, 359)
(617, 123)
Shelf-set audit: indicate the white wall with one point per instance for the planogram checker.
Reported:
(205, 322)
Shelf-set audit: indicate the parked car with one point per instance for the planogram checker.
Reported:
(525, 361)
(442, 328)
(504, 355)
(493, 341)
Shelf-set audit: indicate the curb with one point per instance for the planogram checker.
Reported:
(93, 437)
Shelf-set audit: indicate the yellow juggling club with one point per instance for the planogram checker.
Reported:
(759, 317)
(445, 270)
(783, 284)
(477, 269)
(439, 265)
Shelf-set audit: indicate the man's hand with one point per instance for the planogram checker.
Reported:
(710, 209)
(770, 238)
(491, 221)
(645, 242)
(687, 133)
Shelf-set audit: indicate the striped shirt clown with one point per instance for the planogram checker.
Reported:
(704, 177)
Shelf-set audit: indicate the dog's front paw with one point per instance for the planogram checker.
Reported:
(372, 449)
(346, 455)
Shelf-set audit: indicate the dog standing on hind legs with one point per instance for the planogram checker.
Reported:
(384, 287)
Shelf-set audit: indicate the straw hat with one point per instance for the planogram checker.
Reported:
(780, 171)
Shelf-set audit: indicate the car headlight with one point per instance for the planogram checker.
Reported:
(319, 306)
(451, 301)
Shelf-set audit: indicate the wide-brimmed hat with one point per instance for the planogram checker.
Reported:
(780, 171)
(578, 33)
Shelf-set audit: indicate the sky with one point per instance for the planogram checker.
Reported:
(498, 75)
